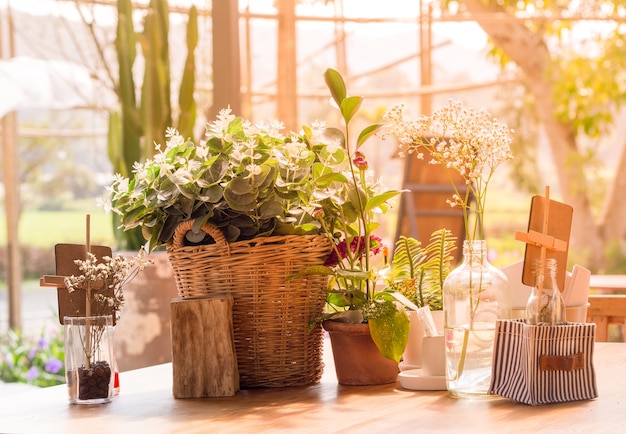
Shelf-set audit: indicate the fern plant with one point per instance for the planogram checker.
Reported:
(418, 272)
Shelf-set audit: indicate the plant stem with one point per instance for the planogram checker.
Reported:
(88, 327)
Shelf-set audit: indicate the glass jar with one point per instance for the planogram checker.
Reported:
(545, 303)
(475, 295)
(89, 359)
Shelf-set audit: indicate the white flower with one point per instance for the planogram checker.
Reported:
(202, 151)
(219, 127)
(105, 204)
(181, 177)
(254, 170)
(466, 140)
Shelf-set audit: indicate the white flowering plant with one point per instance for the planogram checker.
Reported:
(464, 140)
(472, 144)
(103, 281)
(247, 179)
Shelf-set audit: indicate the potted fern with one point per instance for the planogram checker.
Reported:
(418, 273)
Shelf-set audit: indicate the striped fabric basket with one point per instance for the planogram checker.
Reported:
(271, 314)
(539, 365)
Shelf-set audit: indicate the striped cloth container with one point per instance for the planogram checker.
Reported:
(543, 364)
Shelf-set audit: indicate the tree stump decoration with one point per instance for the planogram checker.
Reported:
(204, 361)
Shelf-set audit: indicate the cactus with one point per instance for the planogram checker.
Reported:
(133, 131)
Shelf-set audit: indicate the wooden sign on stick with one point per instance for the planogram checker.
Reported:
(549, 228)
(75, 303)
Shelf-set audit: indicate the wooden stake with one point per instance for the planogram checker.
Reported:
(88, 296)
(540, 273)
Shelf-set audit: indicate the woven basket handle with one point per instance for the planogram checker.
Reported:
(183, 227)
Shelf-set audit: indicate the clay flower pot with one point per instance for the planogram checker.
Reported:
(358, 362)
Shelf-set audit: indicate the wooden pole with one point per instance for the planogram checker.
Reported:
(542, 255)
(425, 32)
(286, 88)
(226, 60)
(11, 187)
(88, 296)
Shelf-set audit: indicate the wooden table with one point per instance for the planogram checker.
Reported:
(607, 283)
(146, 405)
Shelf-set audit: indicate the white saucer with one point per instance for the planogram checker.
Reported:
(414, 379)
(405, 366)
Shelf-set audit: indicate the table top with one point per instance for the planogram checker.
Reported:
(146, 405)
(610, 282)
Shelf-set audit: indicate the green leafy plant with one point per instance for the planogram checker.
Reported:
(254, 180)
(418, 272)
(37, 361)
(247, 179)
(346, 213)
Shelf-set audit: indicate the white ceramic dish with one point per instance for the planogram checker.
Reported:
(414, 379)
(406, 366)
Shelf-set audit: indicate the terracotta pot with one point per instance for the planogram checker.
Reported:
(358, 362)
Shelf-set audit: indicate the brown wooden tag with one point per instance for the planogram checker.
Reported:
(74, 303)
(562, 363)
(557, 235)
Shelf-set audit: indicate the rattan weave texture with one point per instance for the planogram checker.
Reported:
(271, 314)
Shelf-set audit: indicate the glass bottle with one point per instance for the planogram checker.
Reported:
(88, 359)
(545, 304)
(475, 295)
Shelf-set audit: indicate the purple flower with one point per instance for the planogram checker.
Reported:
(43, 343)
(53, 365)
(32, 373)
(32, 353)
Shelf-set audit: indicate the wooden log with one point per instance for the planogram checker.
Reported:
(204, 361)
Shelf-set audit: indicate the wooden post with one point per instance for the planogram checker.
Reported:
(11, 186)
(204, 361)
(226, 59)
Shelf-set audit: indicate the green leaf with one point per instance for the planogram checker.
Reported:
(211, 194)
(217, 168)
(329, 178)
(317, 270)
(242, 203)
(336, 85)
(390, 333)
(265, 178)
(270, 209)
(378, 200)
(335, 134)
(349, 107)
(352, 274)
(240, 186)
(367, 133)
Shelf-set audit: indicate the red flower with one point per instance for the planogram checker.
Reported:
(359, 161)
(357, 243)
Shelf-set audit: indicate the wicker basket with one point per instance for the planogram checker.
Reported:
(271, 314)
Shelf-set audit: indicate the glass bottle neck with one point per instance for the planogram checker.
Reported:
(475, 252)
(544, 271)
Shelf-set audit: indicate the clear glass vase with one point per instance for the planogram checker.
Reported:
(89, 359)
(475, 295)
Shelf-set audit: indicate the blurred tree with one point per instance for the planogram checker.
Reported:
(575, 92)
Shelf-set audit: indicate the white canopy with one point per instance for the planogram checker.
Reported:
(29, 83)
